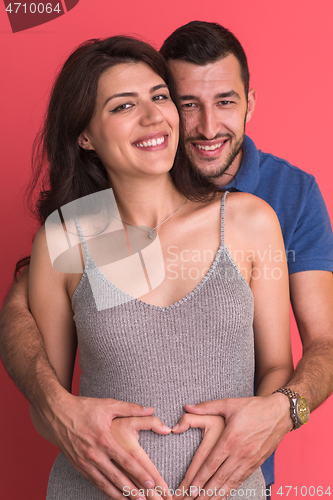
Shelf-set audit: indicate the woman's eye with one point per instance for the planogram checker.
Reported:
(160, 97)
(121, 107)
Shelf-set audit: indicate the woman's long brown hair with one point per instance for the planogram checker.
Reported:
(62, 171)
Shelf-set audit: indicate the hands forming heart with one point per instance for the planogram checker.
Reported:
(126, 432)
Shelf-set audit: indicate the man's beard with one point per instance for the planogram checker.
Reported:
(221, 169)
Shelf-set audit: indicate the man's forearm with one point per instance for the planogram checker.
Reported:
(313, 377)
(312, 301)
(22, 347)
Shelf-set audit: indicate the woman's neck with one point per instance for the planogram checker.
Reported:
(146, 202)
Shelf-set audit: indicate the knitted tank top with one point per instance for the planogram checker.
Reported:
(199, 348)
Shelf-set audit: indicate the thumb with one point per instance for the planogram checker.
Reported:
(216, 407)
(188, 420)
(151, 424)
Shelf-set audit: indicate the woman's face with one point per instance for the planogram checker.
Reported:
(135, 127)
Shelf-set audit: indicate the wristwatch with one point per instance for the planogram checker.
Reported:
(299, 408)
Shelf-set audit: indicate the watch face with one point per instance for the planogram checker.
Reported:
(303, 410)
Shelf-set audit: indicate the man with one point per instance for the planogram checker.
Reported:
(211, 72)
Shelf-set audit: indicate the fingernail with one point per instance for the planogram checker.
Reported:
(191, 406)
(148, 484)
(148, 408)
(166, 428)
(175, 427)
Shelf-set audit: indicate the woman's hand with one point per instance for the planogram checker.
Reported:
(126, 431)
(211, 427)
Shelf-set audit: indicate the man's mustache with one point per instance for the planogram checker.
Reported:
(203, 138)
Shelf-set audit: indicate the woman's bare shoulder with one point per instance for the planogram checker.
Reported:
(39, 248)
(249, 210)
(55, 247)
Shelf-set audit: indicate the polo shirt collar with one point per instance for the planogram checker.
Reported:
(247, 177)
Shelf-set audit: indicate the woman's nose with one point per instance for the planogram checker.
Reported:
(151, 114)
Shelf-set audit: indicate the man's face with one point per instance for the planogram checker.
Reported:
(214, 109)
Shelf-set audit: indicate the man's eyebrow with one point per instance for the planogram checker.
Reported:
(221, 95)
(134, 94)
(187, 97)
(231, 93)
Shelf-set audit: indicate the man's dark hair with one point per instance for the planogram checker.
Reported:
(201, 43)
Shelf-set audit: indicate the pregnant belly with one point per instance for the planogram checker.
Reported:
(171, 454)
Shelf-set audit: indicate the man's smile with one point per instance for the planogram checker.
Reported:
(209, 148)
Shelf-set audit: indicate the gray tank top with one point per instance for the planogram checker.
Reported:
(197, 349)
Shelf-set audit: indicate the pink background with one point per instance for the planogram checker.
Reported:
(289, 47)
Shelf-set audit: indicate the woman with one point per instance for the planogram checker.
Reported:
(113, 122)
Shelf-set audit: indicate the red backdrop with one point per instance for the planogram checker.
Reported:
(289, 47)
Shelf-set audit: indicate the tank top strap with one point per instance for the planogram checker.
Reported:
(223, 216)
(83, 241)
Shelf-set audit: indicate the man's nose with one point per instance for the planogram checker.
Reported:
(151, 114)
(208, 125)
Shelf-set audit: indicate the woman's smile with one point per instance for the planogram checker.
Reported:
(152, 142)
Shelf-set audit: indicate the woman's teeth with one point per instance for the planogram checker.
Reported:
(152, 142)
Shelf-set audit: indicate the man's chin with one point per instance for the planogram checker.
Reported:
(209, 172)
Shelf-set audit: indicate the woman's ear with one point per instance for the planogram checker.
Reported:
(84, 141)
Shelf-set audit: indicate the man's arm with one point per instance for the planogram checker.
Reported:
(312, 302)
(21, 346)
(79, 426)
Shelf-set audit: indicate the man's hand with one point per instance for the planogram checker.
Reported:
(254, 428)
(81, 429)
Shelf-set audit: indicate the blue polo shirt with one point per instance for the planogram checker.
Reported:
(299, 205)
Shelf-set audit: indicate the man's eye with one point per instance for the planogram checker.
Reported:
(225, 103)
(160, 97)
(188, 105)
(121, 107)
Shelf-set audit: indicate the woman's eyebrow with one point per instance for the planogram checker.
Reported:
(122, 94)
(134, 94)
(160, 86)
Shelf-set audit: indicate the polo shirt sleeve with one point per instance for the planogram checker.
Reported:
(311, 246)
